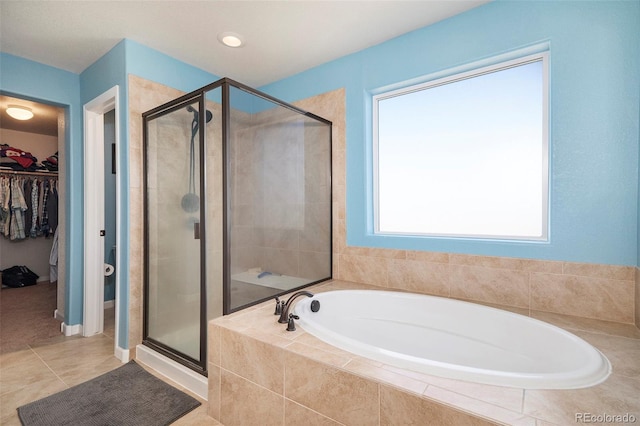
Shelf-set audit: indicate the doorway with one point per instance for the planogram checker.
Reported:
(101, 225)
(110, 247)
(31, 308)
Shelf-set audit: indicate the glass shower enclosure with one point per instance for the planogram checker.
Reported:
(237, 208)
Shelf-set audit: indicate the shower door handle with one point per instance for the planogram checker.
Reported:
(196, 230)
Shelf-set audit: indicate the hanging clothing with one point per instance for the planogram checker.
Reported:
(44, 223)
(18, 207)
(52, 206)
(5, 201)
(33, 233)
(28, 213)
(40, 206)
(28, 206)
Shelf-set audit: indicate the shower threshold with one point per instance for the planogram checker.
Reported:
(174, 371)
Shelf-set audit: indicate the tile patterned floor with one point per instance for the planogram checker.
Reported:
(52, 365)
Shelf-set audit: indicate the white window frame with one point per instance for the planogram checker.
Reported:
(452, 78)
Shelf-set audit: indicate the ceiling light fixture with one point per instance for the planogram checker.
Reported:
(231, 39)
(19, 112)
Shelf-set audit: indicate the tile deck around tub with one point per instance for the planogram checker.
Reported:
(381, 392)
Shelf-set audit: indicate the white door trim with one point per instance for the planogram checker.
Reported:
(93, 308)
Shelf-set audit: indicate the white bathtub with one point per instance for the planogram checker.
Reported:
(453, 339)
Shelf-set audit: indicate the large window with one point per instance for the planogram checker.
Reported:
(465, 156)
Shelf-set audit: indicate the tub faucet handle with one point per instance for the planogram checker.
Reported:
(279, 307)
(291, 325)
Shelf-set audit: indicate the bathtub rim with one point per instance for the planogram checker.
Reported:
(588, 376)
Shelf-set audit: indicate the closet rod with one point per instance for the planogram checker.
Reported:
(16, 172)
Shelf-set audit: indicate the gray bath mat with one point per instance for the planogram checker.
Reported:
(127, 395)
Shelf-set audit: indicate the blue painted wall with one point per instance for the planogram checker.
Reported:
(102, 75)
(31, 80)
(129, 57)
(161, 68)
(594, 116)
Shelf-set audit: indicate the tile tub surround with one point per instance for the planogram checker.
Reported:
(595, 291)
(258, 370)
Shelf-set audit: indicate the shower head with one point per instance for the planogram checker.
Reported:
(208, 114)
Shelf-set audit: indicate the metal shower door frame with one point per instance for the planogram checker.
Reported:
(200, 365)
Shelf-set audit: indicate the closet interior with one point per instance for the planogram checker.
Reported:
(31, 195)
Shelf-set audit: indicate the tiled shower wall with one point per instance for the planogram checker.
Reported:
(143, 96)
(588, 290)
(279, 217)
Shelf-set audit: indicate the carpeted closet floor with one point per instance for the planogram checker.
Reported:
(26, 315)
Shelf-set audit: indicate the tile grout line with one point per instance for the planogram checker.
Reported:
(47, 365)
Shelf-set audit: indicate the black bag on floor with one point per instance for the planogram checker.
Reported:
(19, 276)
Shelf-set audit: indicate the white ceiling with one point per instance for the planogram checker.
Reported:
(282, 37)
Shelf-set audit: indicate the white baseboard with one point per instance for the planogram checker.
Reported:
(57, 315)
(121, 354)
(108, 304)
(71, 330)
(180, 374)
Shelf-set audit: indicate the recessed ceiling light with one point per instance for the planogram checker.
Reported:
(19, 112)
(231, 39)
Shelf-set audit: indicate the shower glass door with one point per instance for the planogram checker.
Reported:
(173, 211)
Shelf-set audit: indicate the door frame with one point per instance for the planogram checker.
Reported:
(93, 270)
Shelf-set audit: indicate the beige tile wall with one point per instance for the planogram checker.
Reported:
(143, 96)
(586, 290)
(282, 222)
